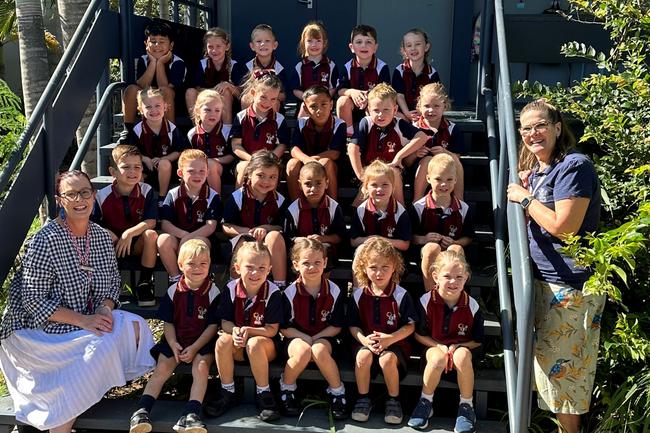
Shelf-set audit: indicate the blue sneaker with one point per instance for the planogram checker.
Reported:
(466, 419)
(421, 414)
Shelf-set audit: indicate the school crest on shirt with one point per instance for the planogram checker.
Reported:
(258, 319)
(452, 231)
(390, 318)
(139, 212)
(270, 138)
(391, 146)
(164, 150)
(462, 330)
(323, 315)
(444, 144)
(390, 231)
(323, 229)
(202, 312)
(324, 77)
(371, 84)
(544, 195)
(220, 150)
(199, 216)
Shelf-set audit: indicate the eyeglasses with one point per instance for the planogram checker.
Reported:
(85, 194)
(538, 127)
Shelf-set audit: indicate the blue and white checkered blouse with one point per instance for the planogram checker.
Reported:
(50, 277)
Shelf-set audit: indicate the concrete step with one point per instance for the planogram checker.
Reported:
(111, 414)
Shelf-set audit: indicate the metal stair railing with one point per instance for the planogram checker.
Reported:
(508, 217)
(51, 127)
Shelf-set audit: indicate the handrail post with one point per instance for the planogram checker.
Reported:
(49, 170)
(104, 129)
(126, 33)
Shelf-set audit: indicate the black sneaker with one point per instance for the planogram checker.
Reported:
(145, 295)
(218, 407)
(393, 414)
(362, 408)
(421, 414)
(288, 404)
(190, 423)
(338, 406)
(267, 406)
(140, 422)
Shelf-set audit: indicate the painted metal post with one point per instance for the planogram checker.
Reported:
(127, 67)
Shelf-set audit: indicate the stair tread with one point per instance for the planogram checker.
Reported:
(111, 414)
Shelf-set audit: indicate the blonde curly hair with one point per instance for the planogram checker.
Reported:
(376, 246)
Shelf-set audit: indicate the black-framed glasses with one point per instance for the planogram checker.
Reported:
(538, 127)
(85, 193)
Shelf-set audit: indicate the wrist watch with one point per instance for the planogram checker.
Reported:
(527, 201)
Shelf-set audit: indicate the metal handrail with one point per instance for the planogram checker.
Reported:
(503, 169)
(94, 123)
(51, 90)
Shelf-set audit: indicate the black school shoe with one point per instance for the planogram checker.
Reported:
(144, 293)
(140, 422)
(338, 406)
(288, 404)
(190, 423)
(267, 406)
(222, 404)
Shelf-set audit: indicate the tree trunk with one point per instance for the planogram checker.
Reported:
(164, 9)
(70, 14)
(33, 54)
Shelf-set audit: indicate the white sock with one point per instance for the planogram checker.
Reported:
(175, 278)
(261, 389)
(286, 387)
(427, 396)
(230, 387)
(336, 391)
(469, 401)
(350, 131)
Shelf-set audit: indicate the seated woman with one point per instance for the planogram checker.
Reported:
(63, 344)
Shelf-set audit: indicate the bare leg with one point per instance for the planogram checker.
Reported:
(275, 242)
(299, 357)
(261, 351)
(225, 356)
(168, 250)
(214, 174)
(436, 361)
(164, 176)
(344, 107)
(321, 353)
(293, 173)
(465, 370)
(388, 364)
(164, 369)
(169, 95)
(362, 370)
(398, 188)
(420, 183)
(429, 253)
(332, 173)
(200, 370)
(240, 169)
(190, 99)
(570, 423)
(130, 103)
(150, 249)
(226, 114)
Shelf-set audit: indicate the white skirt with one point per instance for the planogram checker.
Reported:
(54, 378)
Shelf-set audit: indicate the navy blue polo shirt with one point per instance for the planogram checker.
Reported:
(190, 214)
(118, 212)
(175, 69)
(380, 74)
(312, 142)
(401, 230)
(310, 314)
(232, 212)
(236, 307)
(574, 176)
(382, 143)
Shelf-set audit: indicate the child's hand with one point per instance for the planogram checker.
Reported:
(259, 233)
(166, 58)
(382, 340)
(414, 115)
(151, 59)
(187, 355)
(436, 150)
(450, 358)
(433, 237)
(396, 163)
(318, 238)
(154, 163)
(446, 241)
(123, 246)
(422, 152)
(177, 349)
(359, 98)
(240, 336)
(148, 162)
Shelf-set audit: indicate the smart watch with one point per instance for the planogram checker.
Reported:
(526, 201)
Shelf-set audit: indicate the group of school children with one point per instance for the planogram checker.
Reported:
(257, 317)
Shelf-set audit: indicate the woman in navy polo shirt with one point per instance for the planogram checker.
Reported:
(561, 196)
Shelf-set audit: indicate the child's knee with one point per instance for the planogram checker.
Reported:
(164, 166)
(274, 240)
(201, 367)
(457, 249)
(431, 250)
(131, 93)
(168, 94)
(293, 168)
(320, 351)
(344, 102)
(224, 342)
(150, 237)
(463, 358)
(388, 360)
(436, 358)
(364, 359)
(256, 346)
(167, 242)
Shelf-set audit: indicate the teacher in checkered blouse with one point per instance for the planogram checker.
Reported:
(63, 344)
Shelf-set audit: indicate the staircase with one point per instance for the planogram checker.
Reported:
(485, 166)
